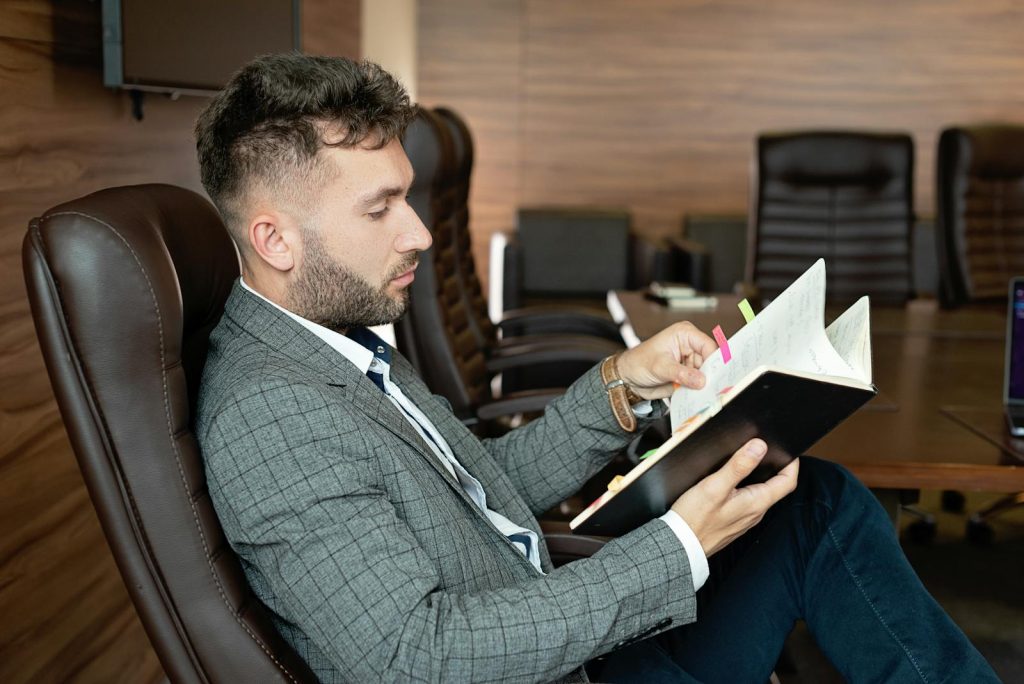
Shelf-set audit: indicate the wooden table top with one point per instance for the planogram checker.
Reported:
(938, 420)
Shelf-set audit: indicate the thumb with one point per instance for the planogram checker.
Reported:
(741, 464)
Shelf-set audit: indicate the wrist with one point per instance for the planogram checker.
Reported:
(622, 371)
(620, 395)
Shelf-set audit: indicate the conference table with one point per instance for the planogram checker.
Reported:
(937, 421)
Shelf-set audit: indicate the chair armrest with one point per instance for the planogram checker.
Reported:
(526, 401)
(565, 548)
(555, 318)
(517, 352)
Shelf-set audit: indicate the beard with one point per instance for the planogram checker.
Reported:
(332, 295)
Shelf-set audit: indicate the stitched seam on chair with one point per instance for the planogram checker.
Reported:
(174, 444)
(864, 595)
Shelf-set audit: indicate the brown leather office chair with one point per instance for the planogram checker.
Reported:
(980, 219)
(980, 211)
(845, 196)
(438, 333)
(125, 286)
(516, 321)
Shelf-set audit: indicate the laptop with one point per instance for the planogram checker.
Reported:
(1013, 384)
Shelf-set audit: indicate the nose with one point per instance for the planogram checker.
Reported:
(415, 236)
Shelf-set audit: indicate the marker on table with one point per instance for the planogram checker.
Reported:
(723, 343)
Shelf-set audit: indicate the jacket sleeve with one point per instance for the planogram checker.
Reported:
(337, 559)
(548, 459)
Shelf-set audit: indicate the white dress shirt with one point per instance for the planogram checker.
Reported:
(365, 360)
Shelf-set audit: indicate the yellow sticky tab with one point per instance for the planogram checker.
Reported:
(616, 482)
(748, 313)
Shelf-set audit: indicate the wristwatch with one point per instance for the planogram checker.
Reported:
(620, 395)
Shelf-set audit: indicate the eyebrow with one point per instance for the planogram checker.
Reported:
(382, 193)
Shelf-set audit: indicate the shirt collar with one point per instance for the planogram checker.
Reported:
(360, 346)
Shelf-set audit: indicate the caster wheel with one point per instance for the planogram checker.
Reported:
(953, 501)
(921, 531)
(980, 533)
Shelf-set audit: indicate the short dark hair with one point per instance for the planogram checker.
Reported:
(268, 124)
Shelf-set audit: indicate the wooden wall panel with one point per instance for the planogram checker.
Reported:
(66, 614)
(655, 104)
(331, 27)
(470, 58)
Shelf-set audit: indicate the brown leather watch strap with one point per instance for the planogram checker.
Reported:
(620, 396)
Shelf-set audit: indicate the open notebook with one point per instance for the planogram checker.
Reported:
(788, 380)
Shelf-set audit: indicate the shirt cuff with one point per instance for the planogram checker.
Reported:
(643, 409)
(694, 551)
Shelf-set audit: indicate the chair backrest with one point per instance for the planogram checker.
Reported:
(842, 195)
(436, 332)
(572, 252)
(125, 286)
(466, 273)
(980, 211)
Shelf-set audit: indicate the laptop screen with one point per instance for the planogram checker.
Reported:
(1015, 343)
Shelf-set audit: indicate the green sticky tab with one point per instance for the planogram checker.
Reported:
(748, 313)
(647, 454)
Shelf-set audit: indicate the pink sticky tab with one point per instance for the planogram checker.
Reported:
(723, 343)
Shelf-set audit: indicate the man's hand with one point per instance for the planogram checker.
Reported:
(718, 512)
(672, 356)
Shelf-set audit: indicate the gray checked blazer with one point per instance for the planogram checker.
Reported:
(373, 561)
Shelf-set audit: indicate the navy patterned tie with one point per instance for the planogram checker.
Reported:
(381, 352)
(377, 378)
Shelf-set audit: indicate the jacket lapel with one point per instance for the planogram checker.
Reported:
(287, 337)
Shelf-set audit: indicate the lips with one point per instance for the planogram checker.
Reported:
(406, 277)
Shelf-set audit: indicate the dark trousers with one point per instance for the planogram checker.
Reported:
(828, 554)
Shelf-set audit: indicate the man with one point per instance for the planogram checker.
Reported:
(389, 543)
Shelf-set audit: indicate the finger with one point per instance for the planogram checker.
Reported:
(693, 340)
(780, 484)
(690, 377)
(667, 369)
(739, 465)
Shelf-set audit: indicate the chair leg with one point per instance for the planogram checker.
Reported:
(979, 529)
(922, 530)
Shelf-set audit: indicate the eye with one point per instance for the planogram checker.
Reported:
(377, 215)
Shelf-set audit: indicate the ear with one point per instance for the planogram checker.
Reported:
(274, 240)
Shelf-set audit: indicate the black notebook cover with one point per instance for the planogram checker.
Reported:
(790, 413)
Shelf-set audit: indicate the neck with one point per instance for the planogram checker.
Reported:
(269, 288)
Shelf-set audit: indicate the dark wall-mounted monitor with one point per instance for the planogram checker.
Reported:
(191, 46)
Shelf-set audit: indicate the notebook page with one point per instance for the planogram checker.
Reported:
(788, 333)
(850, 335)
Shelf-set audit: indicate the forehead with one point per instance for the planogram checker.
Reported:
(362, 167)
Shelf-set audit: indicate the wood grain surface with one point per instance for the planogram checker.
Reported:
(654, 105)
(66, 614)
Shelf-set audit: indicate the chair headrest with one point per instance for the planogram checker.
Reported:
(834, 157)
(994, 151)
(143, 249)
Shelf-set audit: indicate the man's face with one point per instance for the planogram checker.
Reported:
(361, 244)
